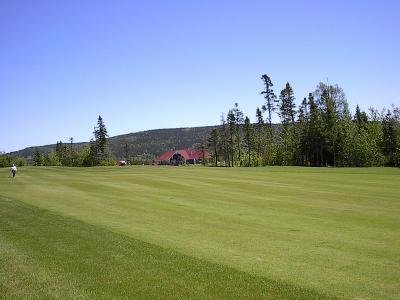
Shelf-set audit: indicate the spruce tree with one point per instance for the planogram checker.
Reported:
(71, 151)
(60, 152)
(270, 98)
(259, 132)
(287, 143)
(287, 106)
(360, 118)
(37, 157)
(100, 135)
(316, 128)
(213, 142)
(259, 117)
(345, 143)
(331, 121)
(238, 122)
(302, 131)
(249, 138)
(391, 139)
(224, 140)
(232, 130)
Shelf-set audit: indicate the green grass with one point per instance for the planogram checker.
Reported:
(149, 232)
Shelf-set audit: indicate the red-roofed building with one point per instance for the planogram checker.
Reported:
(184, 156)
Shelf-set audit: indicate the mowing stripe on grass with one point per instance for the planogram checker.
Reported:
(331, 230)
(44, 255)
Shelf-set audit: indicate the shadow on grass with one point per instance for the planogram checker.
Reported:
(78, 260)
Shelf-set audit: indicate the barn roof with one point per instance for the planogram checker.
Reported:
(192, 153)
(186, 154)
(166, 156)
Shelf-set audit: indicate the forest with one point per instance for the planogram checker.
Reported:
(321, 131)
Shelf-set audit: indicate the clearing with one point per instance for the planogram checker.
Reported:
(195, 232)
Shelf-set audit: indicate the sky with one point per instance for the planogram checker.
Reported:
(163, 64)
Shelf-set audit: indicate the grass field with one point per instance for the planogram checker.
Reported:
(202, 233)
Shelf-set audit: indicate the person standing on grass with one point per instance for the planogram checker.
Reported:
(13, 170)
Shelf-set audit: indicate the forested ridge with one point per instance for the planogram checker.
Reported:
(319, 131)
(139, 147)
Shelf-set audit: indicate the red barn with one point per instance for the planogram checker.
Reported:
(184, 156)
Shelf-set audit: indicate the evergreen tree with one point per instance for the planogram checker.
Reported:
(287, 106)
(61, 152)
(360, 118)
(224, 140)
(101, 135)
(71, 151)
(345, 143)
(315, 136)
(232, 129)
(213, 142)
(249, 138)
(37, 157)
(259, 117)
(46, 160)
(238, 122)
(259, 133)
(391, 139)
(331, 121)
(287, 143)
(302, 149)
(270, 98)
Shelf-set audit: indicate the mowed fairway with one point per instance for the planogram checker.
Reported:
(194, 232)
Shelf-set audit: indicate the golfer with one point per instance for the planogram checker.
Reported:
(13, 170)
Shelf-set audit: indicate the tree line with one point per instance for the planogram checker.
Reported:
(320, 131)
(96, 153)
(7, 161)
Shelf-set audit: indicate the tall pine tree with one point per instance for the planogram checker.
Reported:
(270, 98)
(101, 135)
(239, 123)
(287, 108)
(213, 142)
(248, 138)
(37, 157)
(231, 120)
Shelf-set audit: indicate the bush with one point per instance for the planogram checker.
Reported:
(107, 162)
(8, 161)
(19, 161)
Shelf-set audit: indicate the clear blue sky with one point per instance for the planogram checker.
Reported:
(161, 64)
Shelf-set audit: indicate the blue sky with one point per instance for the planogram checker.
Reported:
(162, 64)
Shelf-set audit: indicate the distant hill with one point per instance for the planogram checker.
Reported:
(150, 144)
